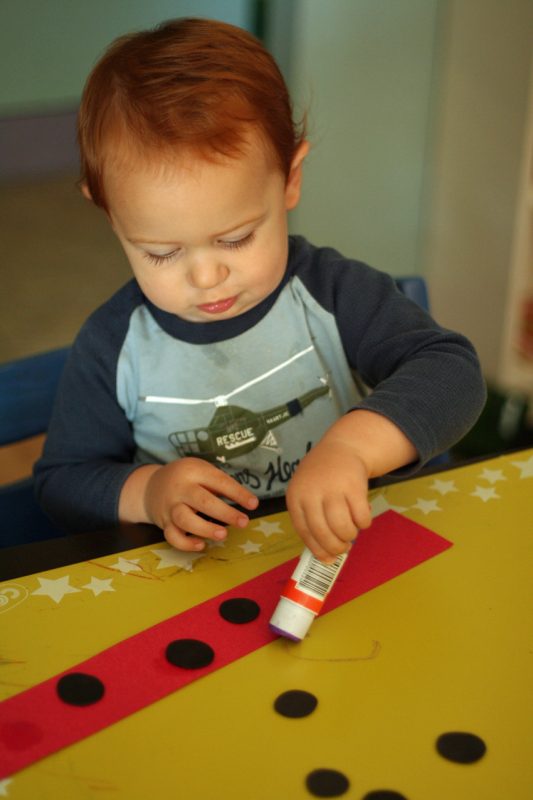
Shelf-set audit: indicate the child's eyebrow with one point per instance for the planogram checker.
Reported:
(234, 228)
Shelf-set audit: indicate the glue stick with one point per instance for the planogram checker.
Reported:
(304, 595)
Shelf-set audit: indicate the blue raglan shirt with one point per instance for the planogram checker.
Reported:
(251, 394)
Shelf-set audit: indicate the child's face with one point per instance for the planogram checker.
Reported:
(206, 241)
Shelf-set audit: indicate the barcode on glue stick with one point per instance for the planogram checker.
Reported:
(312, 580)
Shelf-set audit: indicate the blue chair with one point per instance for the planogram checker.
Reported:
(414, 287)
(27, 390)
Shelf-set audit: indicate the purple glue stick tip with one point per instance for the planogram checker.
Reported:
(286, 634)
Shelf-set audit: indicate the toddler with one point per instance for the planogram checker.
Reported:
(239, 363)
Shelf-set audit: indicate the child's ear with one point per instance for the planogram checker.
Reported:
(293, 186)
(85, 191)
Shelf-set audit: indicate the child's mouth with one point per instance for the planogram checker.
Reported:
(219, 306)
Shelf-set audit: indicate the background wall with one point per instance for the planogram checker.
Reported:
(483, 71)
(418, 118)
(46, 52)
(364, 69)
(48, 48)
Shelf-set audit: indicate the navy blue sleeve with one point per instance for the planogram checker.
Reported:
(88, 453)
(426, 379)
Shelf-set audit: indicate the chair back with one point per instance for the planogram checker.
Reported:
(414, 287)
(27, 390)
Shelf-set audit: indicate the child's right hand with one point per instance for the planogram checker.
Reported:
(176, 493)
(173, 496)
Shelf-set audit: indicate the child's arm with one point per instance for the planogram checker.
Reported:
(327, 496)
(171, 496)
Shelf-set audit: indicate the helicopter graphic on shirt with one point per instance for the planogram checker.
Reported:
(234, 431)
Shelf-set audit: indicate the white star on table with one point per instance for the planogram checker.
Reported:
(169, 557)
(492, 475)
(485, 493)
(268, 528)
(426, 506)
(380, 504)
(99, 585)
(3, 786)
(126, 565)
(250, 547)
(443, 487)
(525, 467)
(56, 588)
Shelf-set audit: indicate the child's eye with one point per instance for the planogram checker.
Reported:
(156, 259)
(235, 245)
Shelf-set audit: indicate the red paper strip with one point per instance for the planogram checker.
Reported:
(135, 672)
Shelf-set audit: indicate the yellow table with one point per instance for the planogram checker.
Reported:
(444, 647)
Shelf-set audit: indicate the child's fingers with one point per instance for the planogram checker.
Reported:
(318, 551)
(179, 539)
(205, 501)
(225, 485)
(312, 526)
(184, 518)
(340, 519)
(360, 510)
(240, 495)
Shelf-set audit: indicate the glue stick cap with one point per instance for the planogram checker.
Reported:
(291, 620)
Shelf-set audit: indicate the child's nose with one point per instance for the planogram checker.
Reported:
(207, 273)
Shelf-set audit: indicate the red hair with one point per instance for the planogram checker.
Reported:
(198, 84)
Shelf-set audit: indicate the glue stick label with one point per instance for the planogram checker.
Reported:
(311, 581)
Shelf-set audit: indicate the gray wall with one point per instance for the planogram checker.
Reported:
(48, 47)
(418, 119)
(364, 69)
(484, 68)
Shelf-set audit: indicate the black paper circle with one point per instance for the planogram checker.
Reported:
(461, 747)
(189, 653)
(80, 689)
(327, 783)
(239, 610)
(295, 703)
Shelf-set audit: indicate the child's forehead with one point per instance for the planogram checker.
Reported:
(124, 156)
(147, 195)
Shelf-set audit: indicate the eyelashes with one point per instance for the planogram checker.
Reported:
(238, 243)
(226, 245)
(153, 259)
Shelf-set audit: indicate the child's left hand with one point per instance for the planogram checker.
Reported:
(327, 496)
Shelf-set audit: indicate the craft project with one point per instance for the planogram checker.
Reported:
(166, 657)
